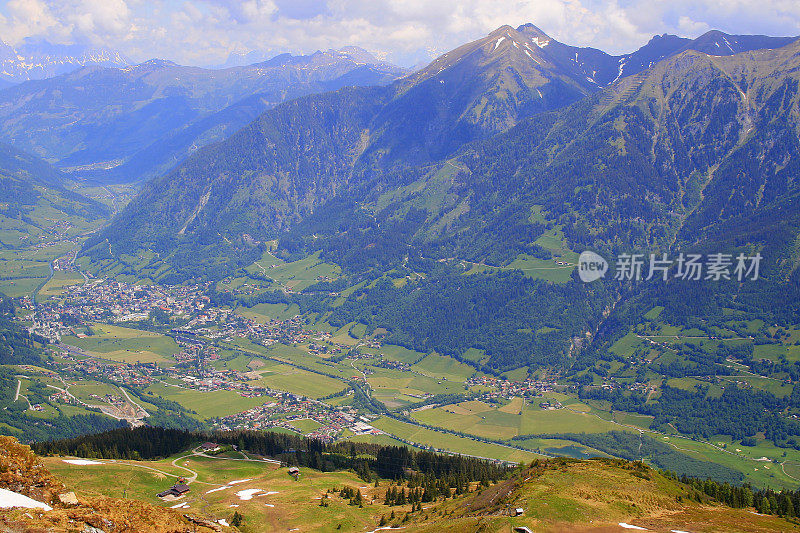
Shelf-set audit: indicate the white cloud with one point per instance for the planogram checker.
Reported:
(692, 27)
(99, 22)
(205, 31)
(22, 18)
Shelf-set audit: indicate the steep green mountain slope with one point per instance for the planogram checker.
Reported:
(675, 152)
(270, 174)
(696, 154)
(695, 145)
(277, 171)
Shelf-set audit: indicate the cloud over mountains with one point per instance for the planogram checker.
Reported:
(209, 32)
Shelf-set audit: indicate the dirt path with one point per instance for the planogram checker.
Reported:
(786, 473)
(262, 460)
(193, 477)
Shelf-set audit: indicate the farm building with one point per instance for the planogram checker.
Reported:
(178, 489)
(210, 447)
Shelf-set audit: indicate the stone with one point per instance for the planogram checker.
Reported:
(68, 498)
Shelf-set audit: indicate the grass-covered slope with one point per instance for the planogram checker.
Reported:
(555, 495)
(23, 473)
(595, 495)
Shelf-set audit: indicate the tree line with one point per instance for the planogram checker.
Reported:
(367, 460)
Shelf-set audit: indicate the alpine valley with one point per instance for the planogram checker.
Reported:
(324, 292)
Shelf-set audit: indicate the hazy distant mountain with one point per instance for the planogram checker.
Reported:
(35, 60)
(155, 113)
(241, 58)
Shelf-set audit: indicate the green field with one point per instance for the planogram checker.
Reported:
(295, 355)
(504, 422)
(264, 313)
(453, 443)
(385, 440)
(126, 345)
(397, 387)
(776, 387)
(400, 353)
(207, 404)
(443, 367)
(235, 361)
(548, 270)
(296, 275)
(759, 473)
(15, 267)
(18, 287)
(58, 284)
(83, 389)
(518, 374)
(305, 425)
(627, 344)
(279, 376)
(344, 335)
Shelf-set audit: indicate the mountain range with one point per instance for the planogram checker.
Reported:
(36, 59)
(443, 213)
(375, 141)
(131, 123)
(509, 151)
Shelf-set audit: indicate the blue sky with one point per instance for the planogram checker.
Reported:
(406, 32)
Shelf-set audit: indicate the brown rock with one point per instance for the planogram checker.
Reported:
(68, 498)
(202, 522)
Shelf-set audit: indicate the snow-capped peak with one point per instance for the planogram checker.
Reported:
(37, 60)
